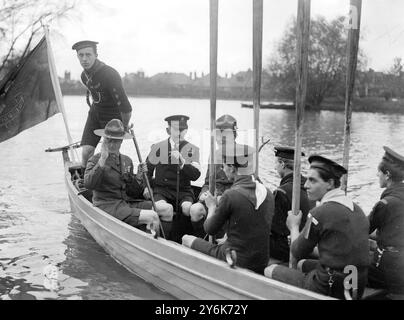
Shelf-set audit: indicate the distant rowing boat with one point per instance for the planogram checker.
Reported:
(271, 105)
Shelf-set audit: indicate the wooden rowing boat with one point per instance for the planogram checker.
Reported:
(183, 272)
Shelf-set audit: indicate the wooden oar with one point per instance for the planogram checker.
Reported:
(213, 15)
(352, 58)
(257, 69)
(146, 179)
(302, 52)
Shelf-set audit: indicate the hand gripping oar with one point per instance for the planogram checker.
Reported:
(146, 179)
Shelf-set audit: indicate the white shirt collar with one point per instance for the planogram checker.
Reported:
(172, 143)
(337, 195)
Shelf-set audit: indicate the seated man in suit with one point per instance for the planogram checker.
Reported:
(175, 163)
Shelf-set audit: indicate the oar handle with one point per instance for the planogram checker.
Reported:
(146, 179)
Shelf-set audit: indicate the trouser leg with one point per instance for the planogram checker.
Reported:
(166, 225)
(198, 229)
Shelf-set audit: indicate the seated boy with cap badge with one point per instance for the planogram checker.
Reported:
(116, 190)
(284, 163)
(109, 100)
(387, 220)
(226, 134)
(175, 163)
(245, 210)
(337, 226)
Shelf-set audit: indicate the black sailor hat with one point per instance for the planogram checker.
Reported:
(392, 156)
(285, 152)
(84, 44)
(320, 162)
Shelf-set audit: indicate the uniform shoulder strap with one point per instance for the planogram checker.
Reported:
(280, 190)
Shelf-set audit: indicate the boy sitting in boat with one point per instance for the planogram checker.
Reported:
(174, 163)
(387, 219)
(246, 209)
(337, 226)
(116, 190)
(284, 162)
(226, 134)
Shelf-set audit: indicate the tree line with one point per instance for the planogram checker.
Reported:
(21, 22)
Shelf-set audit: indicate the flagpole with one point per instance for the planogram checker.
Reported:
(58, 91)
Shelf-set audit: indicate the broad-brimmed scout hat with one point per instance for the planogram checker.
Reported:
(113, 130)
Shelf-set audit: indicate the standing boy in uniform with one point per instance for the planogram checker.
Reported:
(109, 100)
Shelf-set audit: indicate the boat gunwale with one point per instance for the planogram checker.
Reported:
(282, 287)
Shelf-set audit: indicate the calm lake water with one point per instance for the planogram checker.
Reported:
(36, 226)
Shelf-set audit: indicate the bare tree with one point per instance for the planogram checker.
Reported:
(21, 21)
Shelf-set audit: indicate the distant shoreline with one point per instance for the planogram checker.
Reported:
(369, 104)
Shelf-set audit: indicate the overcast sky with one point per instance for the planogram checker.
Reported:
(173, 35)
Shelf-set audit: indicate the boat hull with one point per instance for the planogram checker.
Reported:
(180, 271)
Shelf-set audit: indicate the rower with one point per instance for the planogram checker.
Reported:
(116, 190)
(340, 229)
(226, 134)
(175, 163)
(245, 210)
(387, 219)
(283, 203)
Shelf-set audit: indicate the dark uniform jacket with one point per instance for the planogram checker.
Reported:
(159, 162)
(113, 185)
(105, 86)
(222, 182)
(283, 204)
(247, 227)
(342, 239)
(387, 217)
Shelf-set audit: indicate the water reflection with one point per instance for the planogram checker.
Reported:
(34, 208)
(99, 274)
